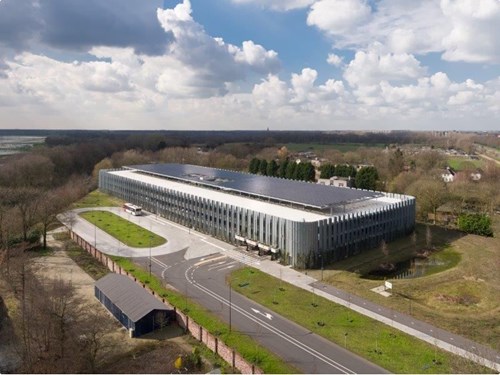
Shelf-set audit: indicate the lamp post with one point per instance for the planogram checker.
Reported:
(230, 305)
(150, 258)
(322, 264)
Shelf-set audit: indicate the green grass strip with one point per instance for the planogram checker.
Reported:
(375, 341)
(125, 231)
(98, 199)
(244, 345)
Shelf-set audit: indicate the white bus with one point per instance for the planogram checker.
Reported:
(132, 209)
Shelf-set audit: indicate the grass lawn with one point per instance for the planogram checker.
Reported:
(248, 348)
(460, 163)
(342, 147)
(461, 297)
(98, 199)
(377, 342)
(127, 232)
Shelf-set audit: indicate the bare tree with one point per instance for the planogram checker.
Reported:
(70, 218)
(428, 237)
(414, 239)
(384, 248)
(93, 338)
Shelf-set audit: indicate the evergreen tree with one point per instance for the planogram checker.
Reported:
(282, 168)
(327, 170)
(272, 168)
(290, 170)
(254, 166)
(263, 167)
(308, 172)
(367, 178)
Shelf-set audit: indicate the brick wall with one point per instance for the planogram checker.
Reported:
(198, 332)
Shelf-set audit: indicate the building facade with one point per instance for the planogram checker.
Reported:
(304, 235)
(137, 310)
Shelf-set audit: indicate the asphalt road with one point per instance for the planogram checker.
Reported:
(204, 280)
(195, 246)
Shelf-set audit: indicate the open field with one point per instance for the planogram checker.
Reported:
(248, 348)
(97, 199)
(461, 297)
(342, 147)
(375, 341)
(124, 230)
(460, 163)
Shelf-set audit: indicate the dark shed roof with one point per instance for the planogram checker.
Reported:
(131, 298)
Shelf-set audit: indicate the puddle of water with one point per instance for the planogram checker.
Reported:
(408, 269)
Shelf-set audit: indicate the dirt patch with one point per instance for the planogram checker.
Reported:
(465, 300)
(154, 353)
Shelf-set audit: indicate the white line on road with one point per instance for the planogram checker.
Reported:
(267, 315)
(269, 327)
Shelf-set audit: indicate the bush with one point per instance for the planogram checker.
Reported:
(476, 224)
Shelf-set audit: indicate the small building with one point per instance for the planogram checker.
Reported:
(133, 306)
(449, 175)
(337, 181)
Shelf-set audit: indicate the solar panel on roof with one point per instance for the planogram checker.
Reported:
(303, 193)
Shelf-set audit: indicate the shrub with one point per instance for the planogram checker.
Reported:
(476, 224)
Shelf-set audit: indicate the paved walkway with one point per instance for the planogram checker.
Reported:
(198, 244)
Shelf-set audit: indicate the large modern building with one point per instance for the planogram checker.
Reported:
(305, 223)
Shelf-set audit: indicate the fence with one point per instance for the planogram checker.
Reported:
(198, 332)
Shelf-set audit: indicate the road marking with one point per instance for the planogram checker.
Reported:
(209, 260)
(267, 315)
(273, 329)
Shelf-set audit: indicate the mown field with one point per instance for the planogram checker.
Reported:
(462, 297)
(98, 199)
(461, 163)
(375, 341)
(342, 147)
(125, 231)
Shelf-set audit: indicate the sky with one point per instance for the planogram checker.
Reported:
(250, 64)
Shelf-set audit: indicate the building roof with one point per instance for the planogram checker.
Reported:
(222, 197)
(133, 300)
(272, 188)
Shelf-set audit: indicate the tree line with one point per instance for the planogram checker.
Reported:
(303, 171)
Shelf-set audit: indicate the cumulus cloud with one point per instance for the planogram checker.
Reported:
(474, 33)
(462, 30)
(78, 26)
(195, 65)
(375, 65)
(338, 16)
(207, 62)
(334, 59)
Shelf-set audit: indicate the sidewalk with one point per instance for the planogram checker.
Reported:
(443, 339)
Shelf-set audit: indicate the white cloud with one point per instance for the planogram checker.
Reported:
(279, 5)
(334, 59)
(202, 82)
(338, 16)
(204, 62)
(463, 30)
(256, 57)
(271, 92)
(474, 34)
(375, 65)
(302, 84)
